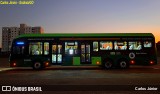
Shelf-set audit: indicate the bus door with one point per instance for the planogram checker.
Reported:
(71, 51)
(85, 54)
(56, 54)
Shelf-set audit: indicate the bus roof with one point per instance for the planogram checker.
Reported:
(86, 35)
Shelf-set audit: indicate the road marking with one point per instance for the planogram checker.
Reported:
(156, 68)
(4, 69)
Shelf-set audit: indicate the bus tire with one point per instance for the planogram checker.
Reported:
(108, 64)
(123, 64)
(37, 65)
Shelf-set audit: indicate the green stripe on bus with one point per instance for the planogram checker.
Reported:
(76, 60)
(95, 60)
(86, 35)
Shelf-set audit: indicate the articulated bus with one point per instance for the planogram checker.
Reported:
(108, 50)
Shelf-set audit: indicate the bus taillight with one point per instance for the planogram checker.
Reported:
(46, 64)
(151, 62)
(14, 64)
(132, 62)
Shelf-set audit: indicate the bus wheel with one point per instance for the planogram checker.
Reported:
(37, 65)
(123, 64)
(108, 65)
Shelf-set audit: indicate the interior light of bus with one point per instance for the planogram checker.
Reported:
(20, 43)
(71, 51)
(151, 62)
(132, 62)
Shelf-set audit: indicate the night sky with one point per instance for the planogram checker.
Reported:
(86, 16)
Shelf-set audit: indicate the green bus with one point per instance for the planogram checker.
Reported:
(107, 50)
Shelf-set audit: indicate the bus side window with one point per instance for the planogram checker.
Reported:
(147, 44)
(106, 45)
(135, 45)
(35, 48)
(120, 45)
(95, 46)
(46, 48)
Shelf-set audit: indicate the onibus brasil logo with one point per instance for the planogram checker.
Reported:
(20, 88)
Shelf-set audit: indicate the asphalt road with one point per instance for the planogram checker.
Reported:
(73, 77)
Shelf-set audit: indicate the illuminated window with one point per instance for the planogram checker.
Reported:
(54, 48)
(135, 45)
(106, 45)
(46, 48)
(71, 51)
(95, 46)
(59, 49)
(59, 58)
(35, 48)
(54, 58)
(71, 48)
(120, 45)
(82, 57)
(147, 44)
(88, 53)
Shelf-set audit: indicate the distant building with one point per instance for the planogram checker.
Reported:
(9, 33)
